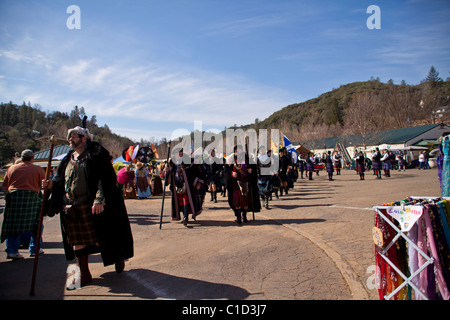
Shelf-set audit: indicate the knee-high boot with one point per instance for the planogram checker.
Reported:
(244, 215)
(237, 213)
(83, 263)
(185, 214)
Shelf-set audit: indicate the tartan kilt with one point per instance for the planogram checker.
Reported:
(79, 225)
(360, 168)
(239, 200)
(264, 185)
(309, 167)
(387, 165)
(22, 211)
(182, 199)
(376, 165)
(330, 167)
(337, 165)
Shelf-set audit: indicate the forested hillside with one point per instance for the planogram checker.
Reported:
(26, 127)
(355, 108)
(376, 105)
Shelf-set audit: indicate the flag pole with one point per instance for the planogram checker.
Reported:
(164, 190)
(41, 216)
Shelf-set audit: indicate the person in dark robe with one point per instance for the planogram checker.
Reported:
(401, 162)
(376, 163)
(386, 160)
(301, 165)
(242, 185)
(93, 215)
(329, 166)
(309, 165)
(360, 165)
(265, 187)
(181, 177)
(213, 169)
(285, 168)
(337, 162)
(155, 183)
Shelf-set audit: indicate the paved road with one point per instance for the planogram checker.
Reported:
(312, 244)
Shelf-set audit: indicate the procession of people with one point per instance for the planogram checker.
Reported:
(88, 194)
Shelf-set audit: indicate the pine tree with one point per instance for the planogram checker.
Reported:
(433, 76)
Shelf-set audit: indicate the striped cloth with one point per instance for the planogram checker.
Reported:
(22, 211)
(79, 225)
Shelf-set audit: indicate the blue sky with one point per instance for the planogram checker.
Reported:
(146, 68)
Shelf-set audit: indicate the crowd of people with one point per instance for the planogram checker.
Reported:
(85, 194)
(142, 181)
(88, 194)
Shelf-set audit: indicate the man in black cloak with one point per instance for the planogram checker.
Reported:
(184, 183)
(92, 210)
(242, 185)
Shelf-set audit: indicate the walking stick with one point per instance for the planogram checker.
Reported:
(250, 187)
(164, 190)
(41, 216)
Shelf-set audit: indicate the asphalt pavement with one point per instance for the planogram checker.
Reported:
(313, 244)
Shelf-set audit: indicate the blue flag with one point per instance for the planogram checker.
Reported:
(289, 147)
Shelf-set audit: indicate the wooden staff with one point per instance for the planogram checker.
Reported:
(41, 216)
(250, 188)
(165, 184)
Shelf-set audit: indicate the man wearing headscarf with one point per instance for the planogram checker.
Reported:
(92, 210)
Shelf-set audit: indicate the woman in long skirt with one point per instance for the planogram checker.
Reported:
(142, 185)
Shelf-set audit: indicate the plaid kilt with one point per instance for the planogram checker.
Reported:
(330, 167)
(79, 225)
(22, 211)
(360, 168)
(239, 200)
(264, 185)
(182, 199)
(309, 167)
(376, 165)
(387, 165)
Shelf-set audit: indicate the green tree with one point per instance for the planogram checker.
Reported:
(433, 77)
(336, 115)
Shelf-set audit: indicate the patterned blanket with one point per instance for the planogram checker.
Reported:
(22, 210)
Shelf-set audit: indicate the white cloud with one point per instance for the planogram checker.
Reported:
(37, 59)
(245, 25)
(165, 95)
(151, 92)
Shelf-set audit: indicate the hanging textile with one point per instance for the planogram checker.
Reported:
(413, 259)
(443, 162)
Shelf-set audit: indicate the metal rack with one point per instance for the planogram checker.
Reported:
(402, 233)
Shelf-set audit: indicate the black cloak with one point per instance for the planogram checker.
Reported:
(192, 178)
(112, 226)
(254, 201)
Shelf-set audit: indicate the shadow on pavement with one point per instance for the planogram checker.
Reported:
(148, 284)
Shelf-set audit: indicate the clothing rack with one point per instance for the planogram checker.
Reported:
(401, 232)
